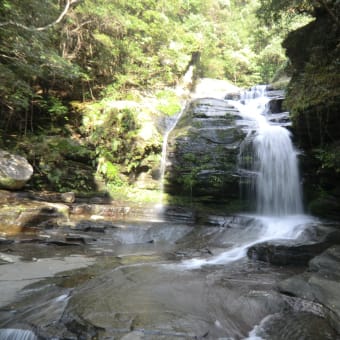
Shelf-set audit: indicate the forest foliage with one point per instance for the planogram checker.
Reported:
(60, 59)
(108, 47)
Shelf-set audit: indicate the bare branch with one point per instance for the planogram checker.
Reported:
(69, 3)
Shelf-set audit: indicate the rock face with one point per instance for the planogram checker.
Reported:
(313, 94)
(15, 171)
(298, 252)
(320, 283)
(313, 98)
(203, 150)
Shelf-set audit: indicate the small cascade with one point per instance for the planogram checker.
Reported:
(182, 90)
(256, 92)
(17, 334)
(171, 124)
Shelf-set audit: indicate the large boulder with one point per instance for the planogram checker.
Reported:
(282, 253)
(15, 171)
(320, 283)
(312, 242)
(203, 151)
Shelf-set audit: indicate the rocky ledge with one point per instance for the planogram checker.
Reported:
(320, 283)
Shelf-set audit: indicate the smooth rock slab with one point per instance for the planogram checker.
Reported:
(15, 171)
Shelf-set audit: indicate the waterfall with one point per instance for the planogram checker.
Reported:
(269, 160)
(274, 166)
(182, 90)
(171, 124)
(277, 181)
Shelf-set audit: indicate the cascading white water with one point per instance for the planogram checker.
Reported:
(172, 125)
(276, 181)
(17, 334)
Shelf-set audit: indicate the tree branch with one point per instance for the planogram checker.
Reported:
(69, 3)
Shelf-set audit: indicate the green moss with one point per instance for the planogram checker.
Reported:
(329, 158)
(129, 193)
(206, 204)
(169, 103)
(318, 85)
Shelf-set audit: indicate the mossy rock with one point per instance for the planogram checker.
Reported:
(325, 206)
(203, 152)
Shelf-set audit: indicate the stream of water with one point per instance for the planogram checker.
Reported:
(171, 124)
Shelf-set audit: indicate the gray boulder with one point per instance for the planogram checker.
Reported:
(15, 171)
(203, 150)
(283, 253)
(320, 283)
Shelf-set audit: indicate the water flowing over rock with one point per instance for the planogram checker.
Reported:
(269, 158)
(15, 171)
(17, 334)
(278, 181)
(218, 143)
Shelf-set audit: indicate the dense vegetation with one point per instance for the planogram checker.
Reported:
(66, 64)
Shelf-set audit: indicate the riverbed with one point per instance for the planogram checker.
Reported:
(124, 279)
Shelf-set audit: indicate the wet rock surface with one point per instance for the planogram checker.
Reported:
(204, 148)
(283, 252)
(320, 283)
(110, 276)
(202, 151)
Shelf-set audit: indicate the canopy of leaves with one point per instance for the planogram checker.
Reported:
(122, 45)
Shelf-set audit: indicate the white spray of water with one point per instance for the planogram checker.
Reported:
(271, 228)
